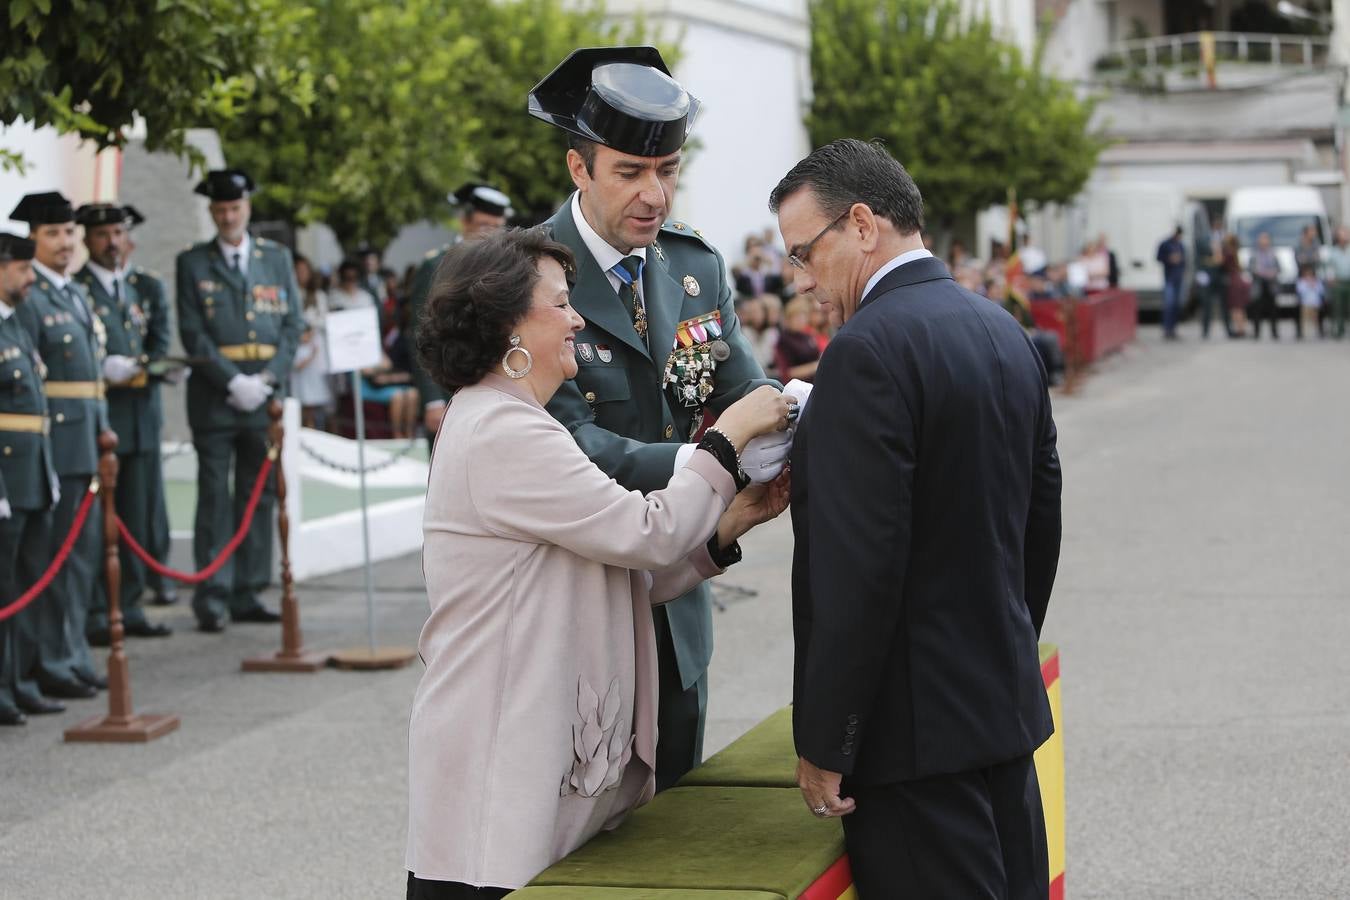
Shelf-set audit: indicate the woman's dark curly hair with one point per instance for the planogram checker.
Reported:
(482, 290)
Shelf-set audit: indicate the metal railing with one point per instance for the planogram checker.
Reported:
(1173, 50)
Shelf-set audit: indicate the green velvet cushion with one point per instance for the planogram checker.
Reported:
(589, 892)
(762, 757)
(710, 838)
(1047, 651)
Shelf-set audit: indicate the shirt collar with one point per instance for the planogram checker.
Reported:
(58, 281)
(908, 256)
(105, 277)
(5, 311)
(228, 250)
(605, 255)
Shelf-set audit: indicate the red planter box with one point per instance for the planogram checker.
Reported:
(1106, 321)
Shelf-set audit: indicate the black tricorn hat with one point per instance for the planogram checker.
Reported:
(47, 208)
(482, 197)
(13, 247)
(622, 97)
(226, 184)
(134, 216)
(92, 214)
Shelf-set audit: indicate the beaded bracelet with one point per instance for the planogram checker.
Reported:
(720, 446)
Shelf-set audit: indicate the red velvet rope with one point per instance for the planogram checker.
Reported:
(225, 553)
(42, 583)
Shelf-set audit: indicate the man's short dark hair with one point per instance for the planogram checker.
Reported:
(586, 148)
(482, 290)
(850, 171)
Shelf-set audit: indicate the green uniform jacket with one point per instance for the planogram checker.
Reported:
(617, 408)
(426, 274)
(26, 473)
(134, 412)
(219, 307)
(69, 338)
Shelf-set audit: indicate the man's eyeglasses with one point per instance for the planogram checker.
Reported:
(799, 258)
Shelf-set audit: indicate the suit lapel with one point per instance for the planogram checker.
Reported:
(593, 296)
(930, 268)
(665, 300)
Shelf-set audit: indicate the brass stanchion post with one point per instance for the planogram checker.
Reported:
(120, 725)
(292, 657)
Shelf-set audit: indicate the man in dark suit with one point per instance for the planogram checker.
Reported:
(926, 508)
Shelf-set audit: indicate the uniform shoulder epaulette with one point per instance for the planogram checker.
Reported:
(684, 230)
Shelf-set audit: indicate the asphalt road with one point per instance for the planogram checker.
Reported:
(1203, 611)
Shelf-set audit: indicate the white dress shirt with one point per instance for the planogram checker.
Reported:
(907, 257)
(107, 279)
(5, 310)
(58, 281)
(229, 250)
(605, 255)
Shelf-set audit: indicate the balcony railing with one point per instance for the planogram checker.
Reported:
(1175, 50)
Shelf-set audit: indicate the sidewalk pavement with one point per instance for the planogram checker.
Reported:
(1201, 610)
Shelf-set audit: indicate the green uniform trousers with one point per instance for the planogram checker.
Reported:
(235, 586)
(23, 559)
(139, 483)
(64, 650)
(1340, 306)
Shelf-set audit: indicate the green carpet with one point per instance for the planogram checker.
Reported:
(762, 757)
(317, 499)
(601, 893)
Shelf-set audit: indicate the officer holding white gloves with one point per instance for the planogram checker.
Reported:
(239, 318)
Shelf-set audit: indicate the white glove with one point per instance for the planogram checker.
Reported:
(119, 369)
(177, 375)
(56, 490)
(247, 392)
(5, 511)
(764, 457)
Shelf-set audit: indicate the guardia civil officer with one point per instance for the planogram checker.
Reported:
(27, 479)
(239, 320)
(52, 648)
(150, 286)
(133, 404)
(483, 210)
(662, 343)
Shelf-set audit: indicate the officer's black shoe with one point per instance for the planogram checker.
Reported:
(98, 682)
(148, 629)
(67, 689)
(211, 625)
(39, 705)
(166, 597)
(98, 637)
(10, 715)
(257, 613)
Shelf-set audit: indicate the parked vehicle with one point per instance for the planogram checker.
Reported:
(1136, 217)
(1282, 211)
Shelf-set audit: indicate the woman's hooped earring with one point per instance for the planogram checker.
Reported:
(516, 348)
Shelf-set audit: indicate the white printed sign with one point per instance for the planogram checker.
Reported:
(353, 339)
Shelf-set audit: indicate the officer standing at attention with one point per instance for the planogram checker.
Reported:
(27, 479)
(662, 343)
(483, 210)
(150, 285)
(239, 319)
(69, 338)
(133, 405)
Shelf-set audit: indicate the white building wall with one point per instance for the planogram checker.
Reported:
(53, 163)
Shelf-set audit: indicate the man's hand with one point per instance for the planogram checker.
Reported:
(247, 392)
(431, 417)
(120, 369)
(820, 790)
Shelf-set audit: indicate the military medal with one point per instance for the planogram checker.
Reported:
(720, 351)
(603, 351)
(693, 361)
(691, 286)
(585, 352)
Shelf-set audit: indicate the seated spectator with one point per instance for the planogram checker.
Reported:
(350, 291)
(386, 385)
(759, 273)
(754, 319)
(798, 351)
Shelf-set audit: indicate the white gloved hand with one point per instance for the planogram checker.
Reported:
(5, 511)
(247, 392)
(56, 490)
(119, 369)
(178, 375)
(764, 457)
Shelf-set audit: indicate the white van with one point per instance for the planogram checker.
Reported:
(1136, 217)
(1283, 212)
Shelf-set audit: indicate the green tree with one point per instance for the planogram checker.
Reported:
(91, 67)
(412, 100)
(964, 111)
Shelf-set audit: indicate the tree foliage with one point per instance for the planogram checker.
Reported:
(965, 112)
(90, 67)
(412, 99)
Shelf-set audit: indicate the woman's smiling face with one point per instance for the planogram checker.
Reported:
(548, 331)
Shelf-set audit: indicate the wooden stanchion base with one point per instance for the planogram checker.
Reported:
(382, 658)
(278, 662)
(135, 730)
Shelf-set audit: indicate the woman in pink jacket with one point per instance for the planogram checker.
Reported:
(534, 726)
